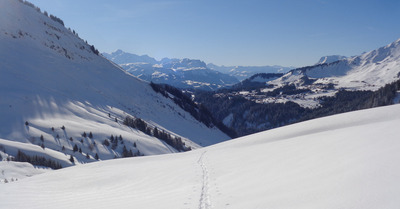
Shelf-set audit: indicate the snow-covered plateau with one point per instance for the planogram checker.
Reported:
(343, 161)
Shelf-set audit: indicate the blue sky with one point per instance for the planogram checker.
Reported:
(232, 32)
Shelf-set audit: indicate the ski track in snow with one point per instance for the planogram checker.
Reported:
(204, 202)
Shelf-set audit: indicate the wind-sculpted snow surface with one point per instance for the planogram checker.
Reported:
(342, 161)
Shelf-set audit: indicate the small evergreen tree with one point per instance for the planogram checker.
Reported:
(52, 128)
(41, 138)
(84, 134)
(114, 144)
(87, 156)
(26, 123)
(80, 150)
(72, 159)
(42, 146)
(96, 157)
(91, 135)
(63, 127)
(71, 139)
(106, 142)
(75, 148)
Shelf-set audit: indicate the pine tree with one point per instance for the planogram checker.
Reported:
(87, 156)
(75, 148)
(96, 157)
(91, 135)
(70, 138)
(41, 138)
(106, 143)
(114, 144)
(134, 144)
(125, 152)
(71, 159)
(84, 134)
(63, 127)
(80, 150)
(26, 123)
(42, 146)
(52, 128)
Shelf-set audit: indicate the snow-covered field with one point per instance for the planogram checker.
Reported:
(342, 161)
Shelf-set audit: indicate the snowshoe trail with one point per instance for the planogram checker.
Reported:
(204, 202)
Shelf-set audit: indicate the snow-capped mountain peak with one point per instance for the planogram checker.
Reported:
(330, 59)
(368, 71)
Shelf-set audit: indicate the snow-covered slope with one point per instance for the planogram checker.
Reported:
(368, 71)
(181, 73)
(50, 78)
(343, 161)
(330, 58)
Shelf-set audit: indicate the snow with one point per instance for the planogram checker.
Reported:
(51, 78)
(228, 120)
(14, 171)
(342, 161)
(330, 59)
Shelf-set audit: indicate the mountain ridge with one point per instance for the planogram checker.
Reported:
(181, 73)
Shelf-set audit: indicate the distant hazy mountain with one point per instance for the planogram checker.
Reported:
(181, 73)
(243, 72)
(331, 58)
(120, 57)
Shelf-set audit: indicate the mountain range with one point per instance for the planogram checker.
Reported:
(180, 73)
(187, 73)
(266, 101)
